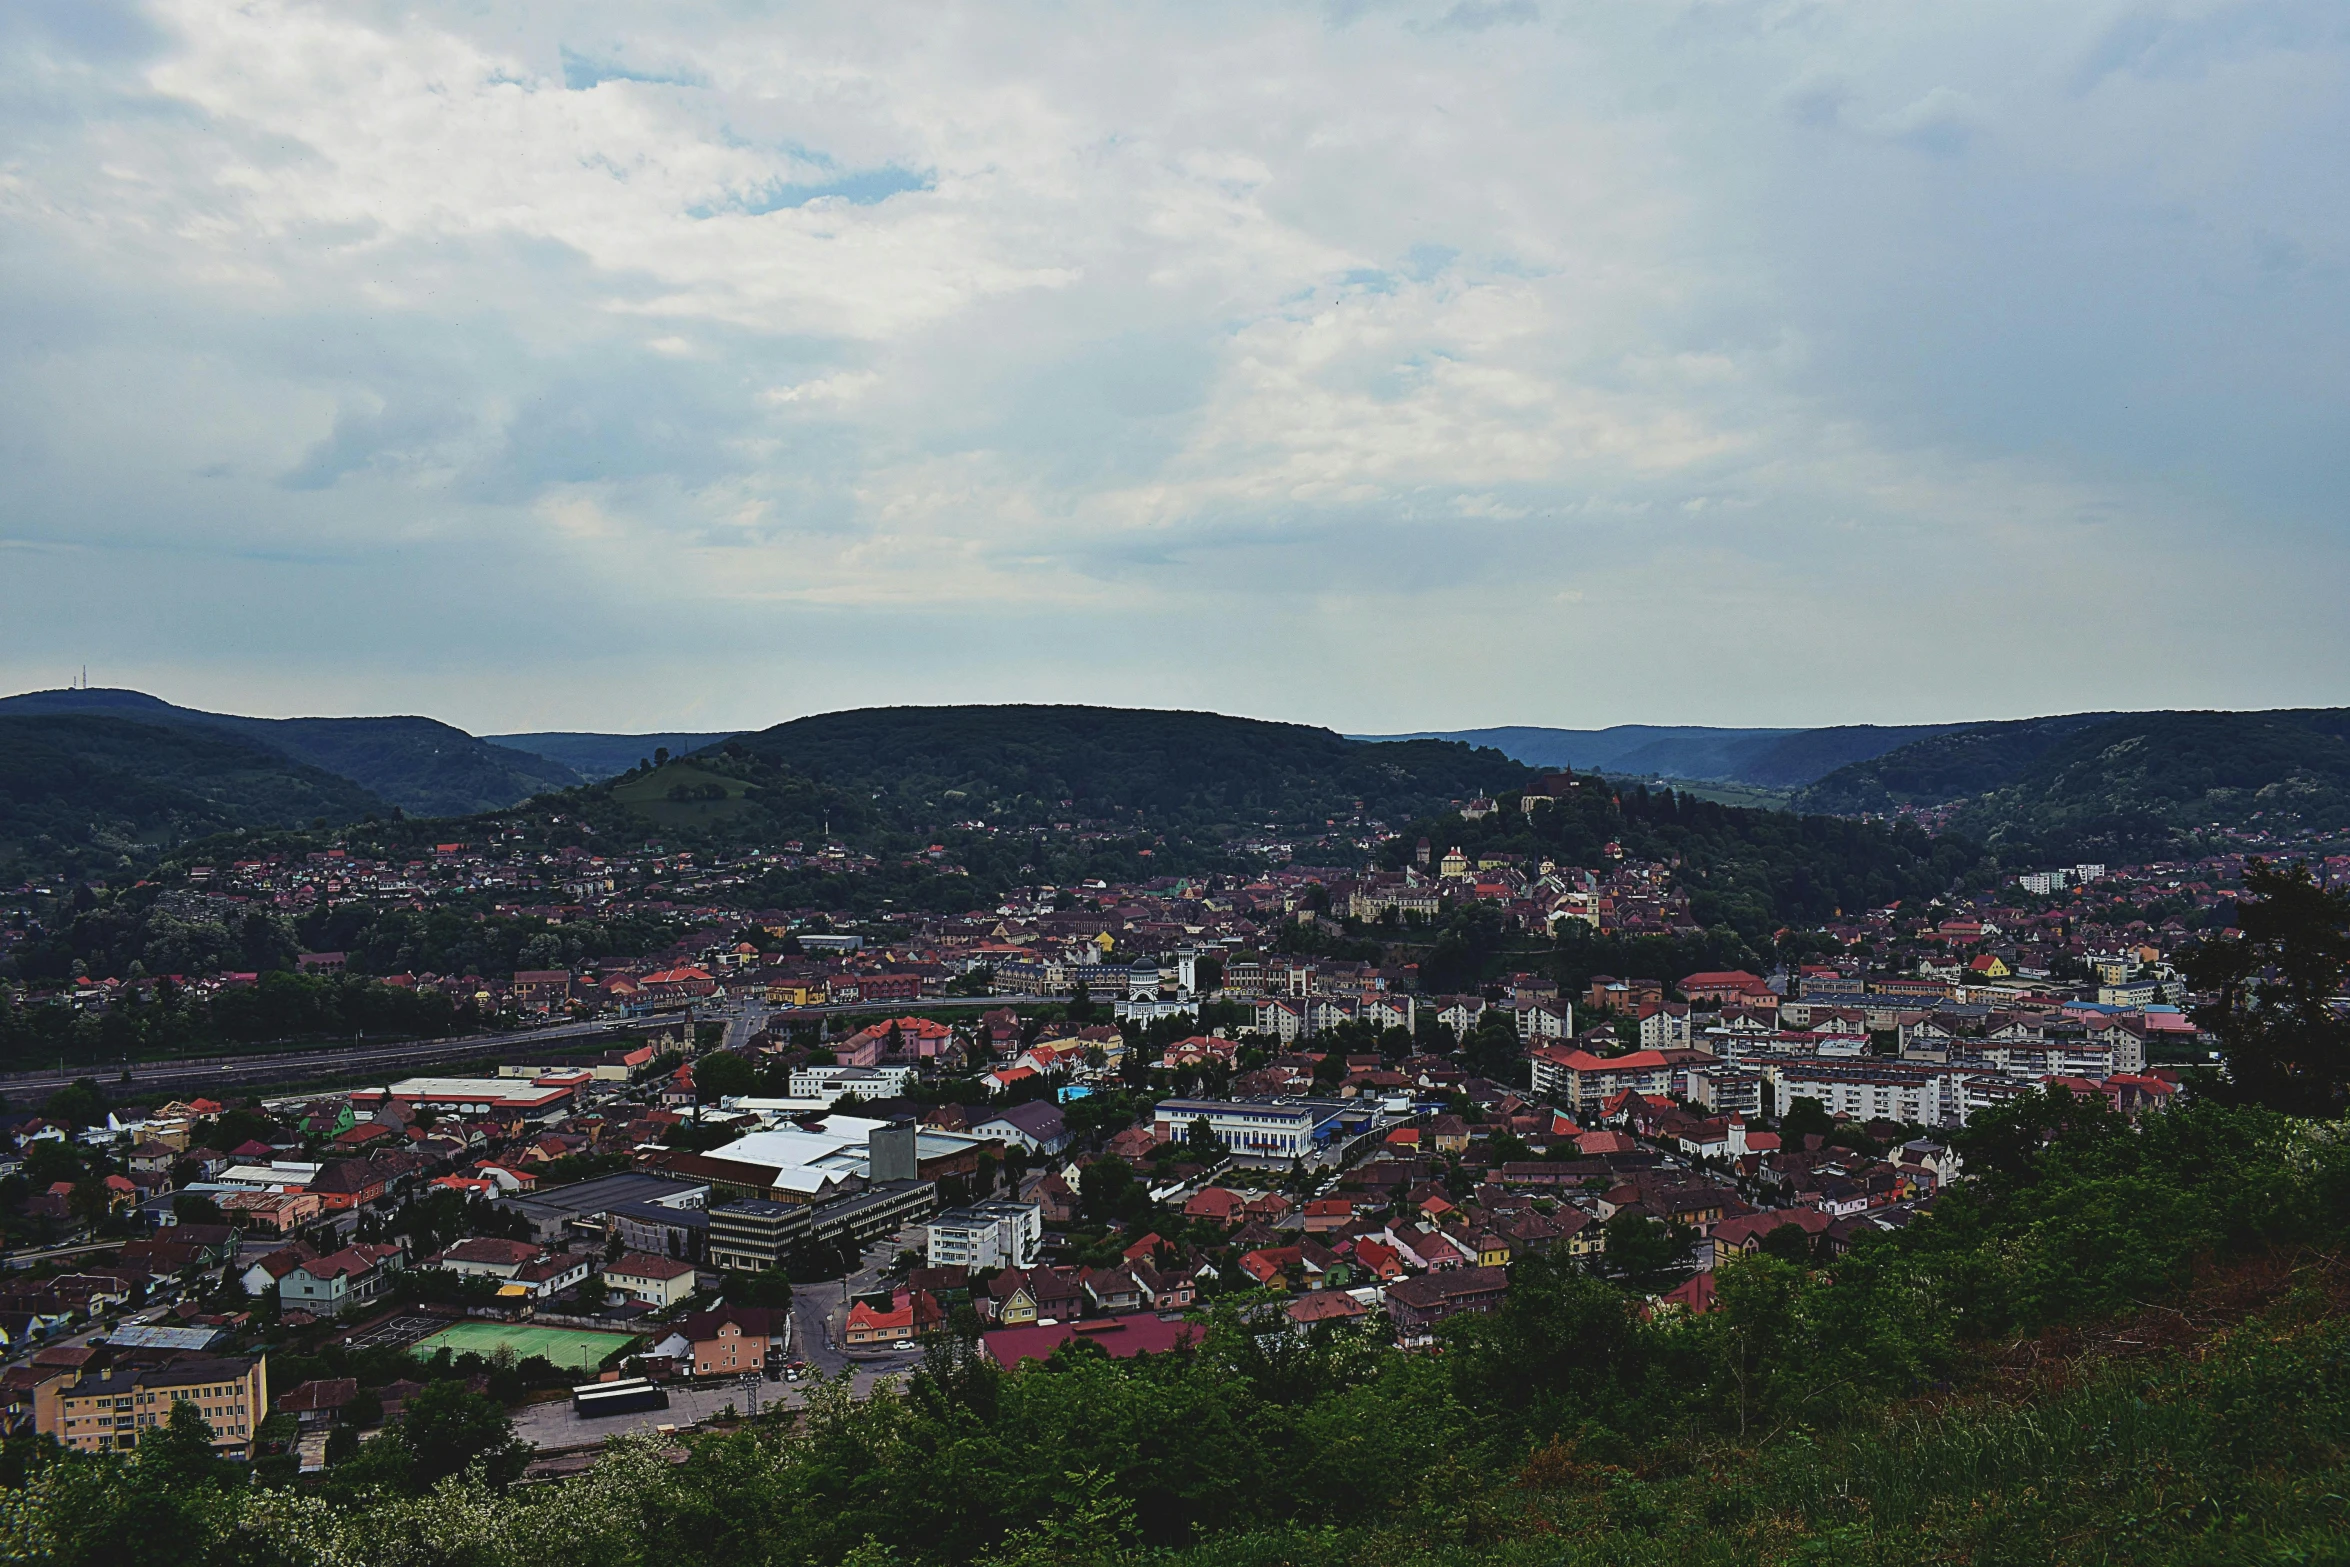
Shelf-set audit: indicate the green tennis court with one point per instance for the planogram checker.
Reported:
(580, 1349)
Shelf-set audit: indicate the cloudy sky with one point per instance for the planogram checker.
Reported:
(1386, 366)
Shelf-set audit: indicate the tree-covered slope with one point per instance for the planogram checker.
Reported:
(1811, 754)
(1748, 870)
(2143, 784)
(1019, 764)
(418, 764)
(82, 792)
(1941, 768)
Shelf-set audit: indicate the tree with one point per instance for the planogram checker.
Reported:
(196, 1208)
(1492, 1046)
(1201, 1142)
(1558, 1351)
(769, 1288)
(1107, 1189)
(2006, 1146)
(90, 1201)
(1646, 1253)
(445, 1430)
(80, 1103)
(1081, 1005)
(179, 1454)
(1805, 1116)
(2272, 993)
(723, 1075)
(1788, 1243)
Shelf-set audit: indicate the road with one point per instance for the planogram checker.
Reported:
(820, 1313)
(361, 1060)
(300, 1065)
(27, 1259)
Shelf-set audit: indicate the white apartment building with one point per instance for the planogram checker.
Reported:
(987, 1235)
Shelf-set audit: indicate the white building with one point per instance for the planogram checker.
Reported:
(1887, 1091)
(830, 1083)
(987, 1235)
(1253, 1130)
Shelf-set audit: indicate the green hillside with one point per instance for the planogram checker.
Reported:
(1941, 768)
(683, 795)
(2143, 784)
(2113, 786)
(418, 764)
(83, 793)
(1170, 769)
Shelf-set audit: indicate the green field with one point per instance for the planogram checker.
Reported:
(579, 1349)
(682, 795)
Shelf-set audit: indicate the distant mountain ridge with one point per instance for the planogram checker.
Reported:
(129, 772)
(421, 765)
(1767, 758)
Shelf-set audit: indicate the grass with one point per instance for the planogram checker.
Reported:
(575, 1349)
(648, 795)
(1753, 797)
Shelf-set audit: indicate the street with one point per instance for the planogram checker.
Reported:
(297, 1065)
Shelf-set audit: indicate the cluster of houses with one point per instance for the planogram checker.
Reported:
(1394, 1188)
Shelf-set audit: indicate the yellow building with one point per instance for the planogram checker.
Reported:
(108, 1411)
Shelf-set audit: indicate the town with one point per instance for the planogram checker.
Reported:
(800, 1147)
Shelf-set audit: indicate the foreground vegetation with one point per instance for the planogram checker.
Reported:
(2119, 1344)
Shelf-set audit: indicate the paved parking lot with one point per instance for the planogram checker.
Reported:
(553, 1425)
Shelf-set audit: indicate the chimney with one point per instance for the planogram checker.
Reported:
(890, 1153)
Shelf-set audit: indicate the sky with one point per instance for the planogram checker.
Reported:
(1383, 366)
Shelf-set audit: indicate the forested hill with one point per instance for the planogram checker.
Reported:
(84, 794)
(2152, 782)
(1019, 765)
(2104, 786)
(421, 765)
(1747, 871)
(1937, 769)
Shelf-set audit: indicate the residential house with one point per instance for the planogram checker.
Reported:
(350, 1277)
(730, 1341)
(1035, 1126)
(1744, 1234)
(658, 1282)
(263, 1275)
(1417, 1305)
(909, 1313)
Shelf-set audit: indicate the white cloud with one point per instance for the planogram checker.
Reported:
(1157, 351)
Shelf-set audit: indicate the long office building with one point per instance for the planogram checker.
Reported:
(760, 1233)
(1279, 1129)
